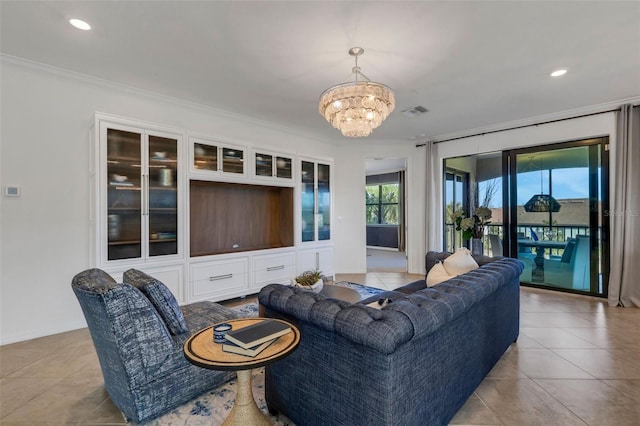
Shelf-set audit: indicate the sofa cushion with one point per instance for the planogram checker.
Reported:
(161, 298)
(437, 274)
(460, 262)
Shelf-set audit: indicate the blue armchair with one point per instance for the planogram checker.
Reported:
(138, 331)
(572, 269)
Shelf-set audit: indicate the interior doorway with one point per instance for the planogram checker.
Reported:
(385, 200)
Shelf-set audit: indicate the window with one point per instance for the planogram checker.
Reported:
(382, 204)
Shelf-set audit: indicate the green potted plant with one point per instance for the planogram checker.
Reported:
(473, 227)
(311, 280)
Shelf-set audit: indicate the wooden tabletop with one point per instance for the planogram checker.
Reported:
(201, 350)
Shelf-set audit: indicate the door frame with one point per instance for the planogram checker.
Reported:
(599, 250)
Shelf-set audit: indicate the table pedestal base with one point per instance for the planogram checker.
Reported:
(245, 411)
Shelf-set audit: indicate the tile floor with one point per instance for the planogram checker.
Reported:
(577, 362)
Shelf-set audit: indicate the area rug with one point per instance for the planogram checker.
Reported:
(365, 292)
(213, 407)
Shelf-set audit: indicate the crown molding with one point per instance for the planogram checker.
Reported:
(536, 120)
(89, 79)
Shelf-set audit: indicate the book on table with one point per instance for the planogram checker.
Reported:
(235, 349)
(255, 334)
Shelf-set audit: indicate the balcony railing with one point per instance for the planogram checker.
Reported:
(453, 238)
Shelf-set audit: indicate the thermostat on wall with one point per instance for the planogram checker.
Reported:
(11, 191)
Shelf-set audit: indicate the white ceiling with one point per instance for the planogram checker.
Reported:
(472, 64)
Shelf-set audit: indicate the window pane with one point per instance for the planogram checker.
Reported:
(372, 214)
(390, 214)
(390, 193)
(373, 192)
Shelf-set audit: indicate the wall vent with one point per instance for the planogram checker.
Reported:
(415, 111)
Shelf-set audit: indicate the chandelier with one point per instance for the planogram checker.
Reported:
(359, 107)
(542, 203)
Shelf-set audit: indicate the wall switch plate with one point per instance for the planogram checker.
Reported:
(11, 191)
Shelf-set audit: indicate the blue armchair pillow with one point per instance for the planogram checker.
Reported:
(160, 297)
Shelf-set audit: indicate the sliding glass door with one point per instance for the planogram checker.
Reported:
(456, 190)
(556, 215)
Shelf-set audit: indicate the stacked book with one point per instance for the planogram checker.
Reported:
(255, 338)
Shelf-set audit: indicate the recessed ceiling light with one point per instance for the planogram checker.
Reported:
(558, 73)
(80, 24)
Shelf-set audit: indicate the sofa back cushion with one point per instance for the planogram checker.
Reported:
(161, 298)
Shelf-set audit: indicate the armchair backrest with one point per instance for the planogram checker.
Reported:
(129, 336)
(581, 261)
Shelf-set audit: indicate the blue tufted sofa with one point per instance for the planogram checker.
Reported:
(138, 331)
(414, 362)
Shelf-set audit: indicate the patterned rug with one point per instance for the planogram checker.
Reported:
(213, 407)
(365, 292)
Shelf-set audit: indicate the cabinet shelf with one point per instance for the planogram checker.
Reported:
(130, 242)
(123, 209)
(124, 242)
(164, 209)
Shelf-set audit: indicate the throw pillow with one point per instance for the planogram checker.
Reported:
(460, 262)
(437, 274)
(161, 298)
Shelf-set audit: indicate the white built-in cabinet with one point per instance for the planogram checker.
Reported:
(143, 177)
(138, 200)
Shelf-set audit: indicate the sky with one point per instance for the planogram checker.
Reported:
(566, 184)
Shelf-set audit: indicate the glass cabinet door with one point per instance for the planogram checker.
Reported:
(264, 164)
(315, 196)
(162, 186)
(205, 157)
(324, 203)
(308, 201)
(124, 191)
(232, 160)
(284, 167)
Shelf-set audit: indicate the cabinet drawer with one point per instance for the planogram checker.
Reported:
(218, 278)
(218, 270)
(274, 268)
(280, 275)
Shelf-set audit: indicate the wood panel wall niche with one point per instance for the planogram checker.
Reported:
(233, 217)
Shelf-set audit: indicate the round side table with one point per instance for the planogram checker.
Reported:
(201, 350)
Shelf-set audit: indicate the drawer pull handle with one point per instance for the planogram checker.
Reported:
(220, 277)
(275, 268)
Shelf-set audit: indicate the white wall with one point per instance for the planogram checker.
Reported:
(45, 150)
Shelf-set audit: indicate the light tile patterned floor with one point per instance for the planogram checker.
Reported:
(577, 361)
